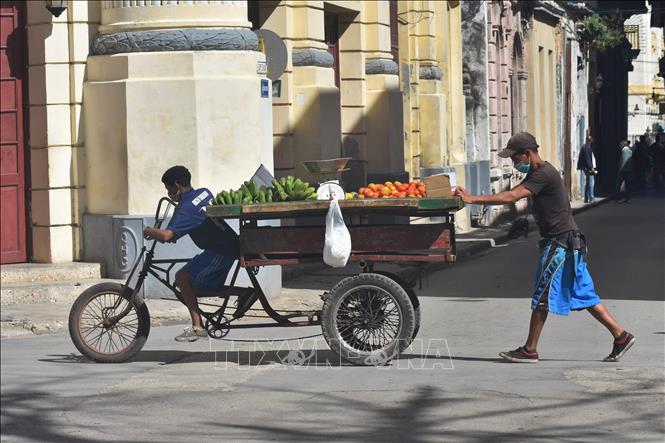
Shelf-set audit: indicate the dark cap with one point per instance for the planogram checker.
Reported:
(519, 143)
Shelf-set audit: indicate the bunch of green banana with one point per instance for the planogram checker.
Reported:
(282, 190)
(292, 189)
(248, 194)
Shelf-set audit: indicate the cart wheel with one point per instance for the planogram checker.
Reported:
(416, 328)
(118, 343)
(412, 296)
(368, 319)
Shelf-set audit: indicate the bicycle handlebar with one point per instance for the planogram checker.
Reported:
(158, 221)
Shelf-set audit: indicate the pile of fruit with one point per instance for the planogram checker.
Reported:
(413, 189)
(285, 189)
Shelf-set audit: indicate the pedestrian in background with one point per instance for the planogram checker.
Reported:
(625, 174)
(640, 163)
(563, 282)
(586, 164)
(657, 159)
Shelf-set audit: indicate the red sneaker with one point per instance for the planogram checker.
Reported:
(621, 345)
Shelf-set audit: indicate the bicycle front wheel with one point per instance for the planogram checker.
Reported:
(99, 342)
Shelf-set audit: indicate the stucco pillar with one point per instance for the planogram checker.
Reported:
(315, 98)
(384, 152)
(169, 84)
(58, 49)
(432, 98)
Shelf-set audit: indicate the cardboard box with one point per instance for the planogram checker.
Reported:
(438, 185)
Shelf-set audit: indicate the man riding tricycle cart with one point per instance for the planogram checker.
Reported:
(367, 318)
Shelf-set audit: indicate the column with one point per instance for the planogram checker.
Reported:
(169, 83)
(384, 152)
(316, 99)
(429, 36)
(58, 49)
(172, 83)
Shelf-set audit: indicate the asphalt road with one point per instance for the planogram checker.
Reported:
(449, 386)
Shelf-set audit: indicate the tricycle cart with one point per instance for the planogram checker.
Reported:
(368, 318)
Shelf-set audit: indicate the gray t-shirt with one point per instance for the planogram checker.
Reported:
(551, 206)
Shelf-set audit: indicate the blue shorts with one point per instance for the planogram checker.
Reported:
(209, 269)
(563, 282)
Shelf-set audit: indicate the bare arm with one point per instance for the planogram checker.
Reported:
(161, 235)
(517, 193)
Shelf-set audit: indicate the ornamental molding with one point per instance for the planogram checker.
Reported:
(184, 39)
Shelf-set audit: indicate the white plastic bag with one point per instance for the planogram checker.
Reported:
(337, 248)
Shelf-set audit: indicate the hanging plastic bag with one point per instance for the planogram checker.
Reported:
(337, 248)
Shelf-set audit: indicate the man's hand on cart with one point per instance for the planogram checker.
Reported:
(161, 235)
(463, 194)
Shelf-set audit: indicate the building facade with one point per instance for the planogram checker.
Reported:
(117, 91)
(524, 70)
(645, 88)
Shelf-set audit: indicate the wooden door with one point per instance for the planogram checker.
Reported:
(12, 171)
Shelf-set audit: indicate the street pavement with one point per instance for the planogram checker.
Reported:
(449, 386)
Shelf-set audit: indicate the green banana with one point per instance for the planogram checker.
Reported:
(237, 197)
(226, 198)
(262, 197)
(278, 186)
(252, 188)
(245, 191)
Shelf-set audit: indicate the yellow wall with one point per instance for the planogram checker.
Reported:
(435, 107)
(57, 53)
(390, 128)
(313, 118)
(541, 89)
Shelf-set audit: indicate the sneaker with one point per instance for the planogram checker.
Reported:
(621, 344)
(191, 334)
(520, 355)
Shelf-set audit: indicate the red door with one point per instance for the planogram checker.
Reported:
(12, 173)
